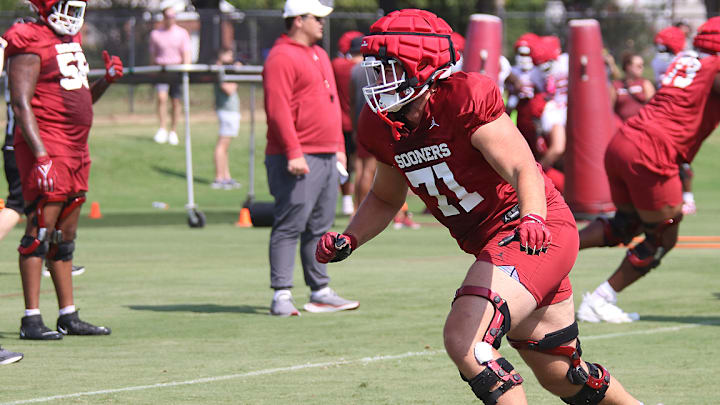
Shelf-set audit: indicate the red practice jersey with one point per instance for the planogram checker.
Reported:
(673, 124)
(62, 102)
(342, 68)
(441, 165)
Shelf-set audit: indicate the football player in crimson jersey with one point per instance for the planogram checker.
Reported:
(642, 167)
(448, 138)
(51, 102)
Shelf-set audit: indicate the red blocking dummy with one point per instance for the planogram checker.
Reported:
(590, 124)
(483, 45)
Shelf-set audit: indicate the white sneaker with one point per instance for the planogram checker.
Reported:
(596, 309)
(161, 136)
(347, 205)
(173, 138)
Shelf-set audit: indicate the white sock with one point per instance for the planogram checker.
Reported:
(67, 310)
(31, 312)
(319, 293)
(606, 292)
(688, 197)
(279, 293)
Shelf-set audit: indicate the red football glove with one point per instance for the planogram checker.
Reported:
(43, 173)
(113, 67)
(533, 235)
(333, 247)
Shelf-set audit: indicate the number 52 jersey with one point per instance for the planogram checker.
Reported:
(62, 102)
(443, 168)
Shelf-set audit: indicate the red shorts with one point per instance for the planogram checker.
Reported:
(632, 181)
(72, 174)
(544, 275)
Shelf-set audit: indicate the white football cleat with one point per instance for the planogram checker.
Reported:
(596, 309)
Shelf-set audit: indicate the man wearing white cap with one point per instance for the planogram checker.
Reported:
(304, 144)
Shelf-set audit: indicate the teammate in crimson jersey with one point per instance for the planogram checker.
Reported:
(51, 102)
(448, 138)
(642, 165)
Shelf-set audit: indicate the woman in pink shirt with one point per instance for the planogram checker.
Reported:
(169, 45)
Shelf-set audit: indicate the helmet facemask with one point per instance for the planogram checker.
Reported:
(388, 89)
(67, 17)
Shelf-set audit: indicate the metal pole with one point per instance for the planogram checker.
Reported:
(131, 62)
(188, 148)
(251, 171)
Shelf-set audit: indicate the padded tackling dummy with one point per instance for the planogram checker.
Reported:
(589, 123)
(483, 43)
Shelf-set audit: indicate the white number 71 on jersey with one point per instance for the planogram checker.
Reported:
(468, 201)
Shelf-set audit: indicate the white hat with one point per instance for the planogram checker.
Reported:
(294, 8)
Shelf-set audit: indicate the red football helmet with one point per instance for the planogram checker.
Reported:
(458, 41)
(405, 52)
(525, 42)
(545, 50)
(65, 17)
(346, 39)
(672, 38)
(708, 36)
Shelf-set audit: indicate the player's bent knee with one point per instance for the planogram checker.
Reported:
(594, 382)
(494, 381)
(621, 228)
(496, 378)
(659, 239)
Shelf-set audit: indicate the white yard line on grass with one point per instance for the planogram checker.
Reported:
(312, 365)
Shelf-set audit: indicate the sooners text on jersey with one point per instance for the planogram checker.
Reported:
(62, 102)
(441, 165)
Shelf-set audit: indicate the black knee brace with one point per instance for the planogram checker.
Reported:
(32, 246)
(483, 383)
(594, 384)
(496, 371)
(62, 251)
(659, 239)
(621, 228)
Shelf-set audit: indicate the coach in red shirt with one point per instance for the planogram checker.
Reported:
(304, 146)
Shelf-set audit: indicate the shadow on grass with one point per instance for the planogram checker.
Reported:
(700, 320)
(717, 295)
(179, 174)
(203, 308)
(159, 217)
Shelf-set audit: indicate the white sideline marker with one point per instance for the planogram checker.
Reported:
(313, 365)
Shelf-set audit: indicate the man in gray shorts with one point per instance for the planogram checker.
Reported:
(227, 107)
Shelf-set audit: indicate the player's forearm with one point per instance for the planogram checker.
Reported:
(530, 188)
(97, 89)
(372, 217)
(28, 124)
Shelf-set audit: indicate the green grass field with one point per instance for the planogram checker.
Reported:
(188, 307)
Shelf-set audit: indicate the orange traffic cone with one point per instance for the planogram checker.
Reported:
(244, 218)
(2, 203)
(95, 210)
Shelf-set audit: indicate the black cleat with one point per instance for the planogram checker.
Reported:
(71, 324)
(33, 328)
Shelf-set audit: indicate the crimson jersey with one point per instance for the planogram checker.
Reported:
(440, 164)
(62, 102)
(342, 68)
(673, 124)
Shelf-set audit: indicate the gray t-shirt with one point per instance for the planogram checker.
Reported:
(225, 102)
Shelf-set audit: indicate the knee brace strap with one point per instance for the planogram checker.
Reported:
(595, 384)
(70, 206)
(32, 246)
(500, 323)
(496, 371)
(62, 251)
